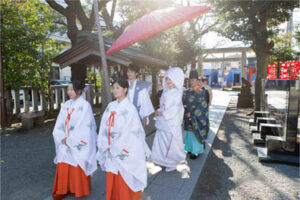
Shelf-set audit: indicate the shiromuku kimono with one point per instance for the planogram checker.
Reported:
(197, 126)
(168, 147)
(122, 151)
(138, 95)
(75, 161)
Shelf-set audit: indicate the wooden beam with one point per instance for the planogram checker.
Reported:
(225, 50)
(222, 59)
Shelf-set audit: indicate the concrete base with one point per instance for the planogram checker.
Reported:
(32, 118)
(252, 122)
(253, 129)
(260, 114)
(264, 156)
(257, 140)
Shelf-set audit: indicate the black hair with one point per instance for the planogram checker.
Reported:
(203, 79)
(122, 82)
(133, 67)
(77, 85)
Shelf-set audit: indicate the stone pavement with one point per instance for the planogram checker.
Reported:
(175, 185)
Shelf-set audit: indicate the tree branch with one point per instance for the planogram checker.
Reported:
(112, 13)
(102, 4)
(92, 17)
(107, 19)
(71, 21)
(81, 16)
(57, 7)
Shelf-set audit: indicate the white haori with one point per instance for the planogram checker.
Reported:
(145, 104)
(143, 101)
(121, 144)
(76, 123)
(131, 90)
(168, 147)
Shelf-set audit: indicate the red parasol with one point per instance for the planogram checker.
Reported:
(155, 22)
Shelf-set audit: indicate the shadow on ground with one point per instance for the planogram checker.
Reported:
(232, 169)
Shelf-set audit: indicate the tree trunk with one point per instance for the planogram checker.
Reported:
(262, 62)
(200, 65)
(106, 93)
(78, 72)
(9, 106)
(193, 64)
(105, 89)
(261, 46)
(154, 87)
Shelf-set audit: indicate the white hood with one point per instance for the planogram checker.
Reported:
(177, 77)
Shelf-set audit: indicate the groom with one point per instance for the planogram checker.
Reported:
(138, 94)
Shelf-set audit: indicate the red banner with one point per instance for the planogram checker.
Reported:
(288, 70)
(284, 70)
(272, 71)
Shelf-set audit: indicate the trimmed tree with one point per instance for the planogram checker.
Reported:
(26, 46)
(254, 22)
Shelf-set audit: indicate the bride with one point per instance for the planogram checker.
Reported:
(168, 147)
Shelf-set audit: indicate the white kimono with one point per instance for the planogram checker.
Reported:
(168, 147)
(76, 122)
(121, 144)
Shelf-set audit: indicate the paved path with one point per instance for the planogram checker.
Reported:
(175, 185)
(232, 170)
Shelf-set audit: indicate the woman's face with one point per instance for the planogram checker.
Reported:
(71, 92)
(169, 83)
(118, 91)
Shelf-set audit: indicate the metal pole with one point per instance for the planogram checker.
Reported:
(223, 71)
(2, 98)
(106, 96)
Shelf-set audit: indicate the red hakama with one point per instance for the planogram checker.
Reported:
(70, 178)
(117, 189)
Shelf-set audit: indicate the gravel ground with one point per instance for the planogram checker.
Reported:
(26, 162)
(27, 168)
(232, 170)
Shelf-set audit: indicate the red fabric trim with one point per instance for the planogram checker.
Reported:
(67, 122)
(110, 123)
(125, 151)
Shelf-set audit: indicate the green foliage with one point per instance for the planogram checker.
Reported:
(283, 50)
(92, 77)
(244, 20)
(27, 49)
